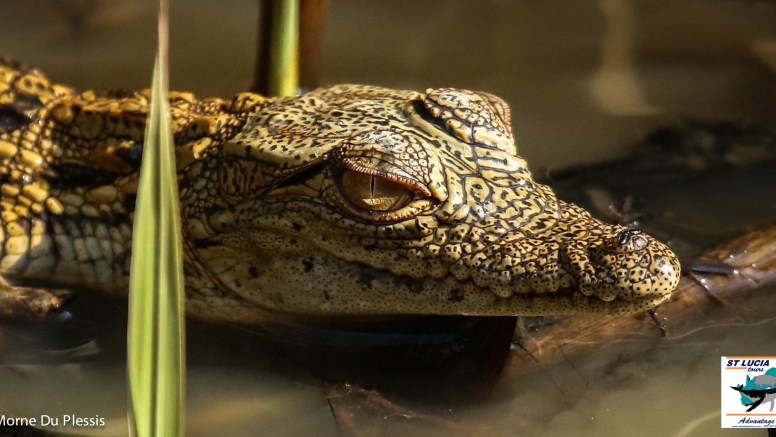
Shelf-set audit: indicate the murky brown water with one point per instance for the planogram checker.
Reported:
(586, 80)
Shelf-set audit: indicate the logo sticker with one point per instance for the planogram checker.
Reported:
(748, 392)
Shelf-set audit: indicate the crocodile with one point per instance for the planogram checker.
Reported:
(348, 200)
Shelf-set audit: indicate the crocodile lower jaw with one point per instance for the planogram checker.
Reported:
(335, 287)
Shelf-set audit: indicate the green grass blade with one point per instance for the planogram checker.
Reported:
(156, 348)
(284, 49)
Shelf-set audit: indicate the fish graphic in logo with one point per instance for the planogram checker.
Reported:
(757, 390)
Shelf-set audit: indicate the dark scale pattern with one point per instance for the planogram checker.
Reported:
(346, 200)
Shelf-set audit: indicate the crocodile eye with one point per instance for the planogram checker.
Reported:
(373, 193)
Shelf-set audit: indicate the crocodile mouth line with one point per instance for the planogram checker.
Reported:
(465, 297)
(562, 301)
(459, 296)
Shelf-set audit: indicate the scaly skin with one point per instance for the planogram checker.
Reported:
(349, 200)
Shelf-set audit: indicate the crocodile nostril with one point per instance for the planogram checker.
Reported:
(631, 239)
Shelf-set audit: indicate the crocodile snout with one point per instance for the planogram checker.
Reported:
(630, 240)
(630, 265)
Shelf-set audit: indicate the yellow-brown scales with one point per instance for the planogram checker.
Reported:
(348, 200)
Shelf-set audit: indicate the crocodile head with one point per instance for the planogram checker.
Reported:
(356, 200)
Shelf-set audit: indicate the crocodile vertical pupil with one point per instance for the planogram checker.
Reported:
(373, 192)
